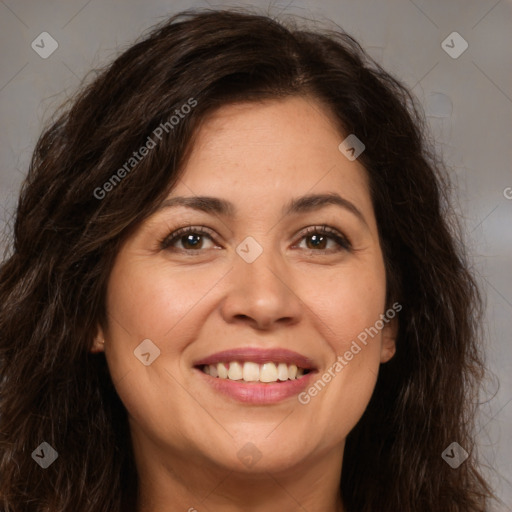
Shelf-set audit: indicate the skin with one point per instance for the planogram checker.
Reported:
(313, 299)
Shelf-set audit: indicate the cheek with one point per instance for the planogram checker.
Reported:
(347, 303)
(148, 301)
(347, 307)
(152, 301)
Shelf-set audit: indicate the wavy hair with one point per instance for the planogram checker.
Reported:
(65, 240)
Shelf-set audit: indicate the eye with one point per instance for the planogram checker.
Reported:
(317, 239)
(191, 238)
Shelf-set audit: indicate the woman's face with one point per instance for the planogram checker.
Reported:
(256, 285)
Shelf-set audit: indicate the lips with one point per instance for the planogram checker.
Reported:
(256, 376)
(258, 356)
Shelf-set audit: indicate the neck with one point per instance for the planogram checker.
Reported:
(171, 484)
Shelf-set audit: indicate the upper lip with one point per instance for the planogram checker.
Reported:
(258, 355)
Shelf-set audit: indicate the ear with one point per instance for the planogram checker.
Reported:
(98, 344)
(388, 347)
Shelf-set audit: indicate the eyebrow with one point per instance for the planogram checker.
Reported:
(303, 204)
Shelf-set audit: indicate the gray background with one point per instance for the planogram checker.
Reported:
(468, 101)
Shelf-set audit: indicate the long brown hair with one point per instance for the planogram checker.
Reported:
(52, 285)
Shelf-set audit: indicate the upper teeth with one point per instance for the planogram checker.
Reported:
(252, 372)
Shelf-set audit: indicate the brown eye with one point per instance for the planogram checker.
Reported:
(318, 237)
(317, 241)
(191, 241)
(190, 238)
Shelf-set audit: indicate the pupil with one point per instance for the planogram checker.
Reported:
(317, 240)
(190, 240)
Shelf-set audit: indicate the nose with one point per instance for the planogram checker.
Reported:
(261, 293)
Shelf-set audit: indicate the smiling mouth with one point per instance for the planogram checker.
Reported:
(249, 371)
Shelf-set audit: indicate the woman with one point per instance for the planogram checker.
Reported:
(236, 284)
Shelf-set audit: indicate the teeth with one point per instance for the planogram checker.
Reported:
(235, 371)
(282, 371)
(251, 372)
(221, 370)
(268, 373)
(254, 372)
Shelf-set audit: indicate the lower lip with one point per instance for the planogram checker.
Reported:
(258, 393)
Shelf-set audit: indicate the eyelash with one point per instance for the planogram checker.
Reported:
(342, 241)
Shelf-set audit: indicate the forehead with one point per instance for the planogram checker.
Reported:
(271, 147)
